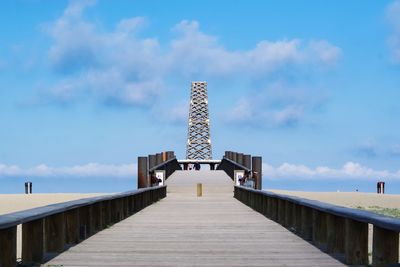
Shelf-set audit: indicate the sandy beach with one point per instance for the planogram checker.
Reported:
(348, 199)
(17, 202)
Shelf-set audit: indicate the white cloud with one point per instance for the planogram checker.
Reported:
(120, 66)
(350, 170)
(277, 105)
(87, 170)
(393, 16)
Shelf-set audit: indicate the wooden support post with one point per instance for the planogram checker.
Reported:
(256, 163)
(170, 155)
(335, 233)
(356, 242)
(306, 222)
(247, 161)
(143, 177)
(319, 228)
(55, 233)
(239, 158)
(152, 161)
(385, 247)
(72, 226)
(234, 156)
(8, 247)
(32, 242)
(159, 158)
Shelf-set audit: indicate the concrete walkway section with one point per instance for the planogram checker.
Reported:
(186, 230)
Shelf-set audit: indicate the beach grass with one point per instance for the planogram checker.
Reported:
(392, 212)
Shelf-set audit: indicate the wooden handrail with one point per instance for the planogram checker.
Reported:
(334, 228)
(67, 223)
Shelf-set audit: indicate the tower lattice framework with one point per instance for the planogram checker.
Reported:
(199, 138)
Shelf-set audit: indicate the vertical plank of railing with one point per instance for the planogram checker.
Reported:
(55, 232)
(385, 247)
(8, 246)
(265, 205)
(72, 226)
(306, 222)
(275, 207)
(319, 228)
(97, 216)
(356, 242)
(281, 211)
(288, 214)
(335, 233)
(84, 222)
(131, 206)
(297, 216)
(32, 242)
(125, 206)
(107, 213)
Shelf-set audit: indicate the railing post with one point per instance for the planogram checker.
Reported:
(306, 222)
(256, 163)
(55, 233)
(335, 233)
(32, 242)
(143, 177)
(385, 247)
(356, 242)
(72, 226)
(8, 247)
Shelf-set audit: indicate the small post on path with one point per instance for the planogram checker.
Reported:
(199, 189)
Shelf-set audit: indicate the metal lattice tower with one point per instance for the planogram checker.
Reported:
(199, 139)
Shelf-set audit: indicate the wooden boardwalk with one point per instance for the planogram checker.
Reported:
(184, 230)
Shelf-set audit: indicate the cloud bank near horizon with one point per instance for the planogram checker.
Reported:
(285, 171)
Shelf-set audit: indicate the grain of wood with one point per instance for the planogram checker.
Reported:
(184, 230)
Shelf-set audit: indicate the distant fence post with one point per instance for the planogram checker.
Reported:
(256, 163)
(142, 173)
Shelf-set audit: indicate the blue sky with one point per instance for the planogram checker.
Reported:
(87, 86)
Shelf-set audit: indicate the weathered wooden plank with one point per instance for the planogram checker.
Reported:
(184, 230)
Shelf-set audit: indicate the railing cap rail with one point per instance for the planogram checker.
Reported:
(162, 164)
(382, 221)
(24, 216)
(237, 164)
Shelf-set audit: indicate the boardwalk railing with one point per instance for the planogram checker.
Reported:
(233, 161)
(333, 228)
(230, 166)
(169, 166)
(52, 228)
